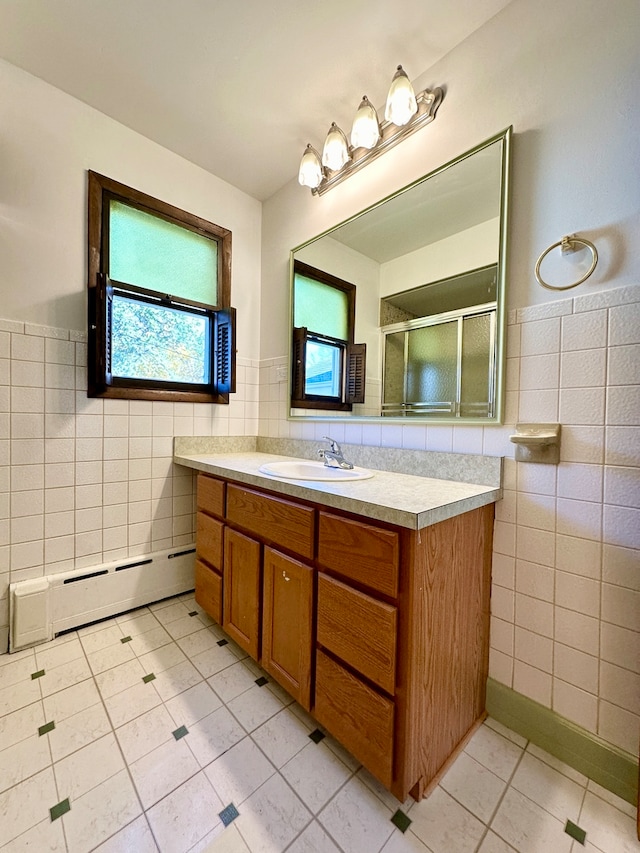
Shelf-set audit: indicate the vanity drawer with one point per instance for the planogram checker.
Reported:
(209, 590)
(209, 539)
(361, 552)
(211, 495)
(359, 630)
(280, 522)
(356, 715)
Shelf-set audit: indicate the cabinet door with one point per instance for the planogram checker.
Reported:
(209, 590)
(287, 617)
(241, 591)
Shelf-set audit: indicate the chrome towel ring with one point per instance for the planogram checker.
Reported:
(568, 244)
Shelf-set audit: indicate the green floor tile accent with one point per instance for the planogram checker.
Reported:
(401, 820)
(575, 832)
(614, 769)
(148, 678)
(60, 809)
(37, 674)
(262, 681)
(223, 642)
(228, 814)
(47, 727)
(193, 613)
(316, 736)
(181, 732)
(126, 639)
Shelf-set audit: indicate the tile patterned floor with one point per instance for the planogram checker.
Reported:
(152, 732)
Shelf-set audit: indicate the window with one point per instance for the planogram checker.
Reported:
(160, 322)
(328, 368)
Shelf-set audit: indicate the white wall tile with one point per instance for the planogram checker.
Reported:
(623, 405)
(27, 348)
(579, 556)
(534, 615)
(533, 649)
(621, 526)
(580, 329)
(582, 444)
(536, 478)
(536, 511)
(583, 368)
(624, 324)
(540, 337)
(503, 570)
(535, 545)
(579, 518)
(582, 406)
(621, 606)
(575, 704)
(538, 372)
(502, 634)
(502, 603)
(620, 646)
(618, 726)
(622, 446)
(576, 667)
(577, 630)
(620, 686)
(574, 592)
(621, 566)
(532, 682)
(624, 365)
(622, 486)
(27, 399)
(535, 580)
(579, 481)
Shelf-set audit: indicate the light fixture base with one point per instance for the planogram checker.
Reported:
(390, 134)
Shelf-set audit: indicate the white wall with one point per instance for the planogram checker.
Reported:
(566, 593)
(84, 481)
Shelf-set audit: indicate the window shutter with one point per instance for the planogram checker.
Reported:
(355, 373)
(225, 350)
(298, 364)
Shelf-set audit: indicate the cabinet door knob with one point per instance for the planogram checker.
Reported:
(284, 575)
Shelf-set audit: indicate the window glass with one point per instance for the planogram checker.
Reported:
(323, 375)
(320, 308)
(158, 342)
(150, 252)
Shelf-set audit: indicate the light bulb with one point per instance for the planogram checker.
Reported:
(365, 132)
(310, 174)
(336, 149)
(401, 100)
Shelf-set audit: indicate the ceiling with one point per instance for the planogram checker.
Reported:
(236, 86)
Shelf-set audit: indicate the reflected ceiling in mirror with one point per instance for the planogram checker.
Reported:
(428, 266)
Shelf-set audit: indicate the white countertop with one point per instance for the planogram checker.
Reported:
(403, 499)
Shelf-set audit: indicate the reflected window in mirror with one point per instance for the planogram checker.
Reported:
(328, 368)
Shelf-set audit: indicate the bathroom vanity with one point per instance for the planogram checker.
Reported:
(368, 602)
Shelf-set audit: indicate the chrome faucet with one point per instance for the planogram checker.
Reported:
(333, 458)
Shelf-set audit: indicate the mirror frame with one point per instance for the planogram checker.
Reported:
(501, 311)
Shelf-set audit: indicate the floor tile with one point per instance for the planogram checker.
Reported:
(175, 680)
(65, 703)
(78, 731)
(607, 828)
(186, 815)
(13, 673)
(54, 655)
(254, 707)
(26, 805)
(136, 837)
(272, 817)
(237, 773)
(611, 798)
(356, 819)
(142, 644)
(548, 788)
(281, 737)
(505, 732)
(495, 752)
(313, 839)
(100, 813)
(406, 842)
(64, 676)
(473, 786)
(558, 765)
(115, 680)
(494, 844)
(44, 837)
(232, 681)
(20, 724)
(168, 612)
(228, 841)
(88, 767)
(378, 789)
(18, 695)
(131, 703)
(163, 770)
(193, 704)
(444, 825)
(163, 658)
(315, 774)
(145, 733)
(213, 735)
(102, 639)
(137, 622)
(183, 626)
(213, 660)
(527, 826)
(109, 657)
(200, 641)
(22, 760)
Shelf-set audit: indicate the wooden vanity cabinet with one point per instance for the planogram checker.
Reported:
(381, 632)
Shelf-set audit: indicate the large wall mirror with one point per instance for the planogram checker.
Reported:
(399, 312)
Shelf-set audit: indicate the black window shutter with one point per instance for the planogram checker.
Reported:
(298, 364)
(225, 350)
(355, 373)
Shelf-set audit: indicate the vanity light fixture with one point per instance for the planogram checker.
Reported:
(404, 113)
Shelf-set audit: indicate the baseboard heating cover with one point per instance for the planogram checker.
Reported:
(43, 607)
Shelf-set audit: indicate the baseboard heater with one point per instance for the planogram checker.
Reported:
(43, 607)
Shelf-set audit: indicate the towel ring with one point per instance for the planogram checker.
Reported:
(568, 245)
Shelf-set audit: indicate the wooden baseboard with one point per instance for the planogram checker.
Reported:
(614, 769)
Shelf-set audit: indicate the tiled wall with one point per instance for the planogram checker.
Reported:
(566, 566)
(85, 481)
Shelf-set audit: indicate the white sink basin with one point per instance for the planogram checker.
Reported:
(303, 469)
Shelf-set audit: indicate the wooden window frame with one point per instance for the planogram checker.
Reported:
(101, 190)
(353, 373)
